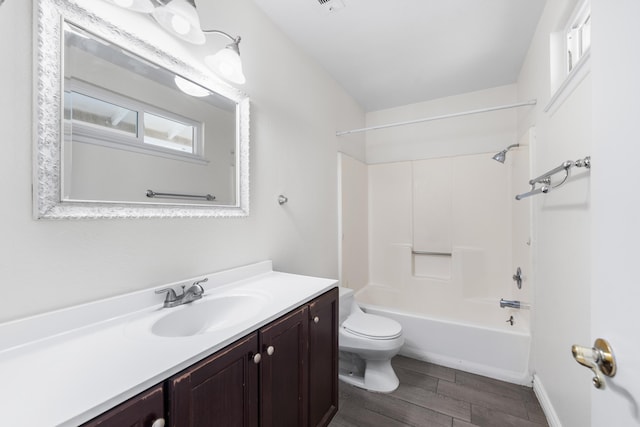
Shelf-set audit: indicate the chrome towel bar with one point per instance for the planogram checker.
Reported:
(545, 179)
(152, 194)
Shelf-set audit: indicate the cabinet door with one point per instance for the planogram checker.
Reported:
(284, 373)
(323, 358)
(140, 411)
(219, 391)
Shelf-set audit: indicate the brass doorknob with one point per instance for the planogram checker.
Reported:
(599, 359)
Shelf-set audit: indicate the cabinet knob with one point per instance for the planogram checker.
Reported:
(257, 358)
(316, 319)
(158, 423)
(270, 350)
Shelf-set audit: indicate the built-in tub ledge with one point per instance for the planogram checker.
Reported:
(76, 363)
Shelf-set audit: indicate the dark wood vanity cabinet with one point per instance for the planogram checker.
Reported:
(323, 358)
(144, 410)
(222, 390)
(300, 364)
(283, 375)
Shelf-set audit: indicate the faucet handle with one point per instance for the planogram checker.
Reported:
(171, 294)
(197, 288)
(206, 279)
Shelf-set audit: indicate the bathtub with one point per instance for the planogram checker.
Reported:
(472, 335)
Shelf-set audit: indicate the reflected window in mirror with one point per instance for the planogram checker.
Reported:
(98, 116)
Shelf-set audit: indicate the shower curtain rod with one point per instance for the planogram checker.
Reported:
(445, 116)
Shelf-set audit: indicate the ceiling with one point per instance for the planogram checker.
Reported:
(388, 53)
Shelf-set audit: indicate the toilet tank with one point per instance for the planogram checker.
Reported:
(346, 300)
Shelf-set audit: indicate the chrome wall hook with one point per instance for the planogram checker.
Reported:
(282, 199)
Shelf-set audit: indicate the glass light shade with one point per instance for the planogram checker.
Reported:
(180, 18)
(144, 6)
(190, 88)
(227, 64)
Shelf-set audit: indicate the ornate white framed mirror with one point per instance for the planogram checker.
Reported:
(124, 129)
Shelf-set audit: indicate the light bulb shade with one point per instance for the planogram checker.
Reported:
(190, 88)
(144, 6)
(180, 18)
(227, 64)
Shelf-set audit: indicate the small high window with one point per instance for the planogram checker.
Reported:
(569, 52)
(579, 35)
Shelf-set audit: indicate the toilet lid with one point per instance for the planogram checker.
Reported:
(372, 326)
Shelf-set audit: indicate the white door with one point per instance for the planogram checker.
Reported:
(615, 180)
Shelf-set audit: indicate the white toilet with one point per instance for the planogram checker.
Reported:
(367, 343)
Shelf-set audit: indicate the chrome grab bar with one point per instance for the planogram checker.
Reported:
(431, 253)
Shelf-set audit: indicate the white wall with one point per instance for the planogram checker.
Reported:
(296, 109)
(561, 221)
(479, 133)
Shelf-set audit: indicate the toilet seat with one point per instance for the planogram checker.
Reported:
(372, 327)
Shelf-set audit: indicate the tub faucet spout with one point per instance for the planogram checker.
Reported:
(509, 303)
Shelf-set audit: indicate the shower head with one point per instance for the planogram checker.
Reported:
(501, 156)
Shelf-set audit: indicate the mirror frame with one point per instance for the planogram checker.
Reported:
(48, 119)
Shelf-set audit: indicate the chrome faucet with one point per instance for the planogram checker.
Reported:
(194, 292)
(509, 303)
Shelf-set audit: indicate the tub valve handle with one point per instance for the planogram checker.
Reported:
(518, 278)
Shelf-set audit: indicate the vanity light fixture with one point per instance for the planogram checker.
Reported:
(190, 88)
(226, 62)
(180, 18)
(144, 6)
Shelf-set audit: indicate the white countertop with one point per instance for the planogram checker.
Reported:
(65, 367)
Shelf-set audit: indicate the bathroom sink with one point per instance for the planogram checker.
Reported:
(209, 314)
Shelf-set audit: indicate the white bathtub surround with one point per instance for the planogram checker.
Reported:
(454, 213)
(432, 185)
(75, 363)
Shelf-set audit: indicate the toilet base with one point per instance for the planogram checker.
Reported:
(378, 376)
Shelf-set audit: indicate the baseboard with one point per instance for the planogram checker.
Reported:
(521, 378)
(545, 402)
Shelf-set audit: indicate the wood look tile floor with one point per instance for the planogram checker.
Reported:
(432, 395)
